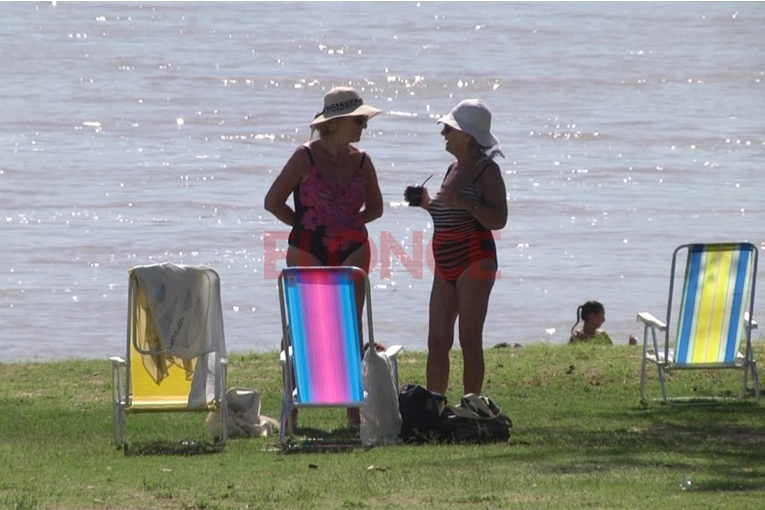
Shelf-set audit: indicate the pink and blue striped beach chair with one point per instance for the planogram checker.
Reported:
(321, 351)
(714, 316)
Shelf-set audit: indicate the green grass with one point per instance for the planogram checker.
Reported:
(581, 440)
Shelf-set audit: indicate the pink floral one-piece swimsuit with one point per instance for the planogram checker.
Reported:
(328, 222)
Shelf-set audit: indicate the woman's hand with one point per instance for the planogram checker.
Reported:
(425, 198)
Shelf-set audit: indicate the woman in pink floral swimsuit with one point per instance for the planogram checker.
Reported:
(334, 185)
(335, 191)
(331, 225)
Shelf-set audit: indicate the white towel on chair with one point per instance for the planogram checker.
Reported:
(184, 303)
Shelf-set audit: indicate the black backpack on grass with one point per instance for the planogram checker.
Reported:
(419, 409)
(475, 420)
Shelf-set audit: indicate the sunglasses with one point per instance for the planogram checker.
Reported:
(361, 120)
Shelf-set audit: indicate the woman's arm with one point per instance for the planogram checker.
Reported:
(492, 213)
(291, 175)
(445, 193)
(373, 205)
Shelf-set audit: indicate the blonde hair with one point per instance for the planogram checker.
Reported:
(326, 128)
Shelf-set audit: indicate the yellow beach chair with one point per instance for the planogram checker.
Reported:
(176, 353)
(714, 316)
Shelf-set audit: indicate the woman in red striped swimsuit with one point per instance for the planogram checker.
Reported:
(470, 204)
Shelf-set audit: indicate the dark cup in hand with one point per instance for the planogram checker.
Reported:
(413, 195)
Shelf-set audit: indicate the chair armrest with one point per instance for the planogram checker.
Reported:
(649, 319)
(117, 361)
(393, 351)
(283, 357)
(224, 361)
(754, 322)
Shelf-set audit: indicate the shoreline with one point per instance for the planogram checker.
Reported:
(502, 346)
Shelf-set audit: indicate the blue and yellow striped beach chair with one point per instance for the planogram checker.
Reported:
(714, 316)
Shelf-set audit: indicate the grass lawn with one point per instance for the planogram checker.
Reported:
(581, 440)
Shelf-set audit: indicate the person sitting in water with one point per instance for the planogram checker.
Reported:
(593, 314)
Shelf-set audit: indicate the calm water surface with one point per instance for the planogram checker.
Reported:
(138, 133)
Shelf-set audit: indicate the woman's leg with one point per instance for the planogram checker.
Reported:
(359, 258)
(473, 288)
(297, 257)
(443, 313)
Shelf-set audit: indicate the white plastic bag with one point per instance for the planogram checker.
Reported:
(244, 418)
(380, 416)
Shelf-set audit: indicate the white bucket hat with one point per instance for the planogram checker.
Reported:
(473, 117)
(343, 102)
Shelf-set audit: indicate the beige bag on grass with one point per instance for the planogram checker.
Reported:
(244, 418)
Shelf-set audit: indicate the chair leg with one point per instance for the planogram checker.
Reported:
(661, 382)
(118, 401)
(223, 409)
(223, 368)
(115, 427)
(755, 381)
(642, 377)
(119, 424)
(285, 423)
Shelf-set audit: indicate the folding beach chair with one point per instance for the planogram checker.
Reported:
(715, 314)
(176, 351)
(321, 356)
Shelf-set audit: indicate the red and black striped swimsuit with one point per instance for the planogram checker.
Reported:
(458, 238)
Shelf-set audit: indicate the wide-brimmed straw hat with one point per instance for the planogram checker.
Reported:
(343, 102)
(472, 116)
